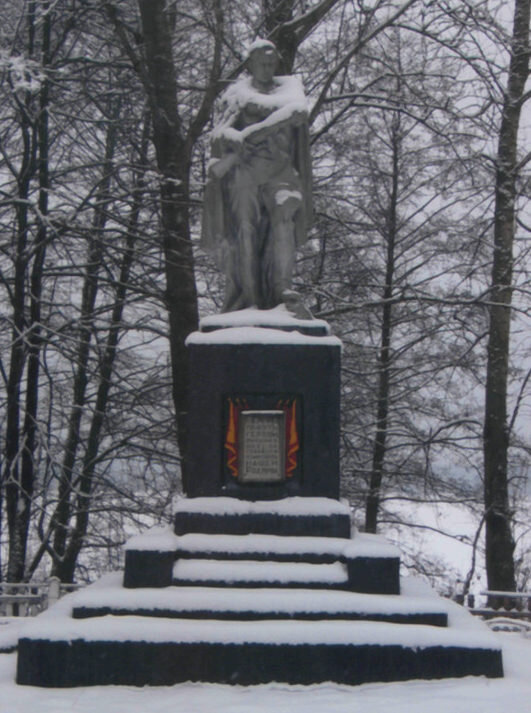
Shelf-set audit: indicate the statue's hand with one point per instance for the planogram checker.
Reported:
(231, 145)
(298, 118)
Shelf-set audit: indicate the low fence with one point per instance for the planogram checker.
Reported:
(495, 605)
(28, 599)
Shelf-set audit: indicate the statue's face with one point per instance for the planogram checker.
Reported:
(263, 65)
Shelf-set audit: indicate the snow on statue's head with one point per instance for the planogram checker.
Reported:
(261, 44)
(262, 60)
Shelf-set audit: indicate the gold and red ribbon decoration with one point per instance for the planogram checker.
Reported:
(231, 439)
(292, 436)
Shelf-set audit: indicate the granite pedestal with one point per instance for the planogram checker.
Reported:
(263, 412)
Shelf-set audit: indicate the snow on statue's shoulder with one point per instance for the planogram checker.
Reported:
(287, 90)
(284, 100)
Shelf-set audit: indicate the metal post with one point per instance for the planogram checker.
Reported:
(54, 590)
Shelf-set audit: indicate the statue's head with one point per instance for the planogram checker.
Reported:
(262, 61)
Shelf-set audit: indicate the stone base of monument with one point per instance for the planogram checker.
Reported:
(259, 579)
(253, 608)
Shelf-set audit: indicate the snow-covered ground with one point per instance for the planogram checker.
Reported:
(469, 695)
(440, 536)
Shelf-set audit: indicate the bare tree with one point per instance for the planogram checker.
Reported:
(498, 515)
(74, 199)
(25, 287)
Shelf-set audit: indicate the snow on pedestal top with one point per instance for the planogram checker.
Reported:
(255, 326)
(276, 317)
(285, 506)
(258, 335)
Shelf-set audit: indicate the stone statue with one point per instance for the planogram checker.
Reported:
(258, 206)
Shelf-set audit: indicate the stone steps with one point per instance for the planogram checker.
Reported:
(365, 563)
(236, 599)
(317, 550)
(129, 651)
(255, 604)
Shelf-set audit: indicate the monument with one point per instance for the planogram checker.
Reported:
(264, 409)
(258, 201)
(259, 578)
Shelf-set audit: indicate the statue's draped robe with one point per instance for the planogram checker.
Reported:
(254, 186)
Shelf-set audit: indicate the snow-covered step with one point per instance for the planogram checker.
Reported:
(254, 604)
(162, 539)
(372, 563)
(293, 506)
(58, 651)
(259, 573)
(324, 517)
(259, 547)
(281, 632)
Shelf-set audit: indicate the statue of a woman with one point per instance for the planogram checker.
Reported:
(258, 196)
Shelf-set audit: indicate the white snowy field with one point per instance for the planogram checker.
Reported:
(467, 695)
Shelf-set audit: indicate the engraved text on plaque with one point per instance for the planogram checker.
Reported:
(262, 456)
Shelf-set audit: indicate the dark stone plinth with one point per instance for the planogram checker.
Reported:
(311, 328)
(144, 568)
(307, 557)
(335, 525)
(369, 575)
(424, 618)
(264, 374)
(134, 663)
(374, 575)
(319, 584)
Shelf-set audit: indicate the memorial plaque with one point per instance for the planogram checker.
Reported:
(262, 457)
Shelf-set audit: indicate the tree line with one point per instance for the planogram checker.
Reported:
(418, 257)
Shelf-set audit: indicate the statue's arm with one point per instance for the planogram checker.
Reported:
(289, 115)
(225, 147)
(229, 143)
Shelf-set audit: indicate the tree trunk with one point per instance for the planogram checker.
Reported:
(287, 31)
(276, 14)
(62, 515)
(498, 516)
(384, 361)
(173, 162)
(29, 468)
(66, 566)
(19, 468)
